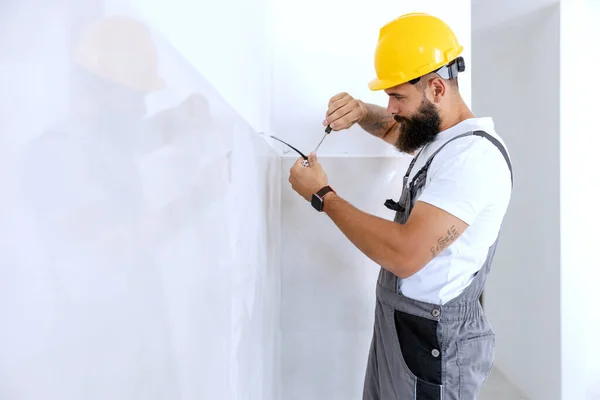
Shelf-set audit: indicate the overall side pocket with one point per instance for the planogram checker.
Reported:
(475, 360)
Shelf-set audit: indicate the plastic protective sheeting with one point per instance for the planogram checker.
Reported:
(139, 215)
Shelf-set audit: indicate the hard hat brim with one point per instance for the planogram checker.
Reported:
(378, 84)
(383, 84)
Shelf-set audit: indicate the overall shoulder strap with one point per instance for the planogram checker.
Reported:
(391, 204)
(412, 164)
(396, 206)
(430, 159)
(482, 134)
(500, 147)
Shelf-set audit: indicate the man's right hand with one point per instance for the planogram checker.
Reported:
(344, 111)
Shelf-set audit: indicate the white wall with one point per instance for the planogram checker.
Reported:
(491, 13)
(580, 195)
(139, 258)
(515, 80)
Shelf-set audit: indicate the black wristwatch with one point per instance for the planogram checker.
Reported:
(317, 198)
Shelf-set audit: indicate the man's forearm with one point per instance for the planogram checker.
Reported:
(377, 121)
(385, 242)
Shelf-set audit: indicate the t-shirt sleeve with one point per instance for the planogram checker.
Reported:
(464, 184)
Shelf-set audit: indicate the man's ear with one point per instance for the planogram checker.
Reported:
(438, 89)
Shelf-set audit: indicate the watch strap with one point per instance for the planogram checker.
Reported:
(317, 198)
(324, 190)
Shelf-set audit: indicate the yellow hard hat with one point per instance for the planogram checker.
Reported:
(121, 50)
(411, 46)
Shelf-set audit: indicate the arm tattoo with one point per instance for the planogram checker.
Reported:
(444, 241)
(378, 127)
(377, 122)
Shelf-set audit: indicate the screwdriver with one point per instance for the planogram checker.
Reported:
(327, 131)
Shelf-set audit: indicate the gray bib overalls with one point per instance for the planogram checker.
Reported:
(423, 351)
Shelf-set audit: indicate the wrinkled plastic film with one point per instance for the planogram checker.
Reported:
(138, 236)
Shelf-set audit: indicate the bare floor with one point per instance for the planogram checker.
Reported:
(497, 387)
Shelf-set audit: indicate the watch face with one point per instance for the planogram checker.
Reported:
(317, 202)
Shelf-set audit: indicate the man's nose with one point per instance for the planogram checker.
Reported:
(390, 107)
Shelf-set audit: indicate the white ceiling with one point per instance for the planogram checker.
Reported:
(486, 13)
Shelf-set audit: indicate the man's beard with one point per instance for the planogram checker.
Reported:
(420, 129)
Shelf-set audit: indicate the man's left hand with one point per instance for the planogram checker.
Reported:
(307, 180)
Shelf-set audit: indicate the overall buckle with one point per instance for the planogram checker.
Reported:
(394, 205)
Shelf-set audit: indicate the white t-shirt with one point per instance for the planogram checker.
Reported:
(470, 179)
